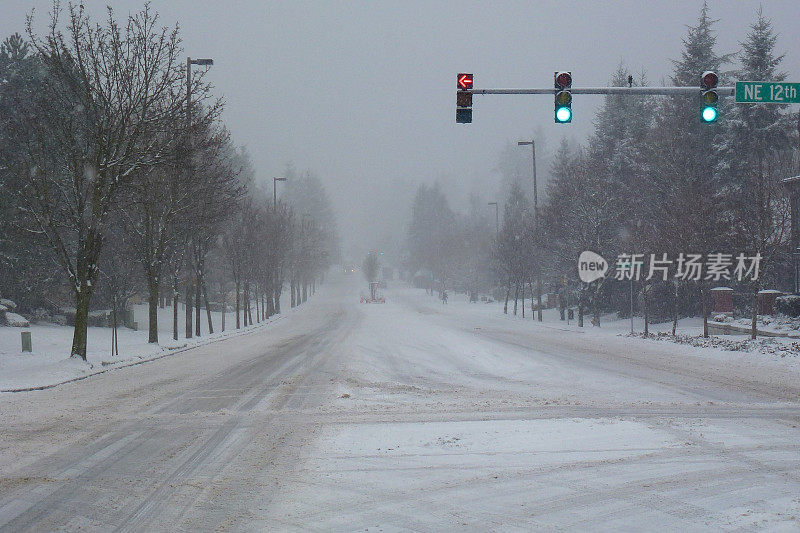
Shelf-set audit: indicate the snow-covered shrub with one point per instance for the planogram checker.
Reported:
(6, 306)
(17, 321)
(788, 305)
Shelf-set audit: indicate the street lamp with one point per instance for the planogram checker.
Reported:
(275, 210)
(206, 63)
(189, 62)
(275, 192)
(532, 144)
(496, 219)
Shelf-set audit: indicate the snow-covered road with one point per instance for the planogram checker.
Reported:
(410, 416)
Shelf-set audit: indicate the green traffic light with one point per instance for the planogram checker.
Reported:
(709, 114)
(563, 114)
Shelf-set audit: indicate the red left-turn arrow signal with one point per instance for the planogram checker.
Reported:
(465, 81)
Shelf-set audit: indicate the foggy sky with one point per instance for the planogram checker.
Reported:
(362, 93)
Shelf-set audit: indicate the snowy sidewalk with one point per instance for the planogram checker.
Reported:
(49, 364)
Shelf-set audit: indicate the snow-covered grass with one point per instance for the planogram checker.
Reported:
(50, 363)
(689, 331)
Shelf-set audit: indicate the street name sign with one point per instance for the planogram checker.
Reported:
(767, 92)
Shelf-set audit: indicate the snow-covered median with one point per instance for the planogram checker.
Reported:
(49, 364)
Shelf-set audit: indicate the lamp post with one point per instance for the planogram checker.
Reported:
(275, 192)
(189, 62)
(532, 144)
(276, 276)
(308, 224)
(496, 219)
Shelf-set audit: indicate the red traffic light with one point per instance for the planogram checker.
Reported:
(465, 81)
(709, 80)
(563, 80)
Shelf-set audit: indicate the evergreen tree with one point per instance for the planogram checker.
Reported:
(515, 243)
(754, 151)
(430, 234)
(477, 236)
(14, 49)
(616, 151)
(685, 192)
(28, 274)
(307, 196)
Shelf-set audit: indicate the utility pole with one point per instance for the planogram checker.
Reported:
(532, 144)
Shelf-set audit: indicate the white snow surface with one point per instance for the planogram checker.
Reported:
(50, 363)
(482, 430)
(413, 416)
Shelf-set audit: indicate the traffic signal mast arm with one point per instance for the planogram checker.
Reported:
(563, 91)
(723, 91)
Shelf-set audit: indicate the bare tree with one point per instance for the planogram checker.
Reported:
(93, 123)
